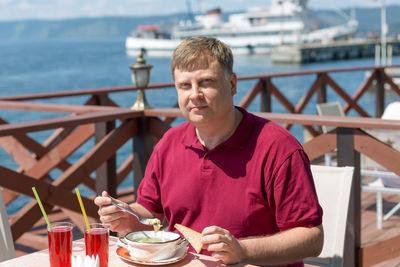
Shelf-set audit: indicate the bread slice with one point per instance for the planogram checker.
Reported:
(191, 235)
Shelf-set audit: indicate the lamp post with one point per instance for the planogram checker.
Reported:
(140, 76)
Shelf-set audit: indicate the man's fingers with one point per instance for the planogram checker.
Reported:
(214, 230)
(221, 255)
(105, 199)
(111, 216)
(218, 247)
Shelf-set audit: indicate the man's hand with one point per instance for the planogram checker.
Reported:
(118, 219)
(223, 244)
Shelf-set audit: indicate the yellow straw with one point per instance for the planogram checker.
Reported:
(41, 207)
(83, 209)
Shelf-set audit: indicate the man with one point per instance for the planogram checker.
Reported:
(243, 181)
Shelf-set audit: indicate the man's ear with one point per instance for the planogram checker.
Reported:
(233, 82)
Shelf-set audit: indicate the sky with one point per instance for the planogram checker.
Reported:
(61, 9)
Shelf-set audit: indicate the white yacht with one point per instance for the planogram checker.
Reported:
(255, 31)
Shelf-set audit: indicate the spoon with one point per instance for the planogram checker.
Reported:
(141, 220)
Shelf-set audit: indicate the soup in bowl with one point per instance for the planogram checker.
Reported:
(151, 245)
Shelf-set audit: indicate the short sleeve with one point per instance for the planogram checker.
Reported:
(293, 194)
(148, 193)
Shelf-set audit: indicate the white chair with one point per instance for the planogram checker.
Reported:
(333, 186)
(377, 186)
(385, 182)
(329, 109)
(6, 241)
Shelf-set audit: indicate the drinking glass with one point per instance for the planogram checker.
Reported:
(96, 242)
(60, 244)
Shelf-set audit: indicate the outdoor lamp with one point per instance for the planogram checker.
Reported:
(141, 77)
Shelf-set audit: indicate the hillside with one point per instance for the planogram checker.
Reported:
(120, 27)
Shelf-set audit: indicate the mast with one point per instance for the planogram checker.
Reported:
(384, 29)
(189, 10)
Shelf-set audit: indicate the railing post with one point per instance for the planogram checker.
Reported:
(142, 149)
(348, 156)
(322, 89)
(106, 174)
(265, 105)
(380, 93)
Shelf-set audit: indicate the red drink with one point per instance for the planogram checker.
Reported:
(60, 244)
(96, 243)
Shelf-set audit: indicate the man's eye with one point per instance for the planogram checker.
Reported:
(207, 81)
(184, 85)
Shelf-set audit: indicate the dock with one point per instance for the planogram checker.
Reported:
(338, 50)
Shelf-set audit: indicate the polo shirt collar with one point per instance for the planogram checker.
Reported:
(237, 140)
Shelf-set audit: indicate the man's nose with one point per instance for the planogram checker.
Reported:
(196, 91)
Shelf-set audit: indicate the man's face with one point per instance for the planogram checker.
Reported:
(205, 95)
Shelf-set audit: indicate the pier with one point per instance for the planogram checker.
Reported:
(110, 127)
(339, 50)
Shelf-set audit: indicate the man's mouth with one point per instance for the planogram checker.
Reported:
(195, 108)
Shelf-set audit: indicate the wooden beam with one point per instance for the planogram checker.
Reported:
(157, 127)
(392, 84)
(320, 145)
(49, 193)
(282, 99)
(348, 156)
(381, 251)
(39, 169)
(377, 151)
(30, 213)
(265, 96)
(61, 152)
(306, 98)
(346, 97)
(72, 121)
(17, 151)
(338, 121)
(98, 154)
(160, 112)
(124, 169)
(251, 94)
(360, 91)
(170, 120)
(142, 149)
(62, 108)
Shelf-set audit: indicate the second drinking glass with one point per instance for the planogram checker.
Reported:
(96, 242)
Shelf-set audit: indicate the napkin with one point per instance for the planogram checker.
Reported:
(85, 261)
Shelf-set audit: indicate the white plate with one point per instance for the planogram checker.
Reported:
(123, 253)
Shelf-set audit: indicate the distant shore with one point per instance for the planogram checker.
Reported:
(120, 27)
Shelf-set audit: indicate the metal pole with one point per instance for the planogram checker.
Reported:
(377, 55)
(383, 32)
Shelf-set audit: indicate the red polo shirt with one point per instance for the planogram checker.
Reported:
(258, 182)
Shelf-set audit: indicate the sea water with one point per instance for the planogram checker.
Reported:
(31, 67)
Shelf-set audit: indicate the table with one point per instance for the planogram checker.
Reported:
(41, 258)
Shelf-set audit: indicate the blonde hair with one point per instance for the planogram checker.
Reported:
(198, 52)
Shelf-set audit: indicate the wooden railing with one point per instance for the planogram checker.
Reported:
(111, 127)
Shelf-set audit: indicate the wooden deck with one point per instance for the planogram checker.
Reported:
(390, 228)
(36, 238)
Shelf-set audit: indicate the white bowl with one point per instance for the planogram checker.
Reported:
(165, 247)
